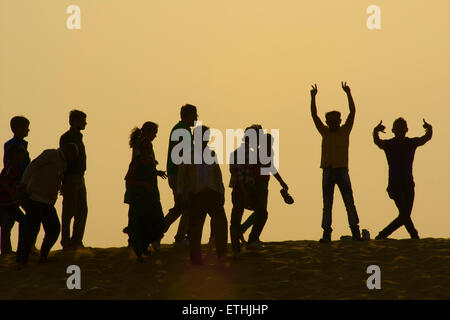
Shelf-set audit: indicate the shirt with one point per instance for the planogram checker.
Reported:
(172, 168)
(44, 175)
(400, 157)
(78, 165)
(335, 147)
(241, 172)
(22, 143)
(194, 178)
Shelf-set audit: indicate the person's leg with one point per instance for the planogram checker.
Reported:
(328, 194)
(248, 223)
(52, 227)
(406, 213)
(80, 215)
(217, 212)
(183, 231)
(258, 199)
(212, 235)
(179, 209)
(69, 209)
(6, 224)
(135, 229)
(197, 217)
(405, 209)
(396, 195)
(237, 199)
(345, 186)
(29, 230)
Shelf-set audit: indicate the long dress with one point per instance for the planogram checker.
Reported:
(146, 218)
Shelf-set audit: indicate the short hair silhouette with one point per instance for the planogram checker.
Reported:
(399, 121)
(186, 110)
(330, 114)
(18, 122)
(76, 115)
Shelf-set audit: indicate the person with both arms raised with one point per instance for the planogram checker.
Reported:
(334, 163)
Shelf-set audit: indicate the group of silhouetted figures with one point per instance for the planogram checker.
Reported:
(197, 187)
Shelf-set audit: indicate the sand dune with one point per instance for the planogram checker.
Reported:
(282, 270)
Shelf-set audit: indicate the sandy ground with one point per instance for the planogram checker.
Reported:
(410, 269)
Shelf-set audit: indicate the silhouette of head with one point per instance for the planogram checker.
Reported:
(400, 128)
(77, 119)
(20, 126)
(333, 120)
(252, 132)
(188, 114)
(149, 130)
(70, 151)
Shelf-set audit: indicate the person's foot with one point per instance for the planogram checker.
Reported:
(211, 243)
(156, 245)
(326, 237)
(380, 237)
(356, 234)
(78, 245)
(255, 245)
(67, 247)
(416, 237)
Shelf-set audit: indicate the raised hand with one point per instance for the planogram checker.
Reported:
(426, 125)
(314, 90)
(380, 127)
(345, 87)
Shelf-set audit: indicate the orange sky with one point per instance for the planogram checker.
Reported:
(239, 62)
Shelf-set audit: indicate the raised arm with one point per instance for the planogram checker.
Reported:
(428, 133)
(319, 125)
(351, 105)
(376, 139)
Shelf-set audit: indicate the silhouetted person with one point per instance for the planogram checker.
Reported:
(263, 179)
(201, 184)
(42, 179)
(334, 162)
(400, 152)
(20, 128)
(146, 218)
(188, 115)
(10, 195)
(147, 131)
(247, 192)
(74, 204)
